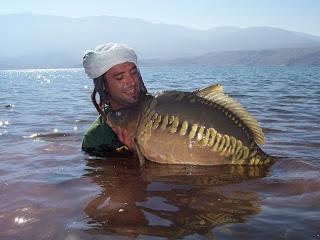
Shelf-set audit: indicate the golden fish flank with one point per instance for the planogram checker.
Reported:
(212, 137)
(205, 139)
(222, 144)
(200, 133)
(223, 151)
(165, 122)
(193, 131)
(233, 140)
(217, 142)
(233, 144)
(156, 123)
(184, 128)
(174, 125)
(171, 119)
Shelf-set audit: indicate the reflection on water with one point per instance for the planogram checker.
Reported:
(51, 190)
(167, 201)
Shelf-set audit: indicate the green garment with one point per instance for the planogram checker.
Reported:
(99, 139)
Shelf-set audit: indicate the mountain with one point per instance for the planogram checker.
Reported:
(40, 41)
(272, 57)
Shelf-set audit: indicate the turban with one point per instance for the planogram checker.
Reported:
(97, 62)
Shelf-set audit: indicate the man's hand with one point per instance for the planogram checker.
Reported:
(125, 138)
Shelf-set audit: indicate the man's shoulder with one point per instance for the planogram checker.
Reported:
(99, 134)
(98, 127)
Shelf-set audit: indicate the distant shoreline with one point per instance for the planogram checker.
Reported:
(150, 66)
(254, 58)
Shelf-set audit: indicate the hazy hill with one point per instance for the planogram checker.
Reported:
(278, 57)
(29, 41)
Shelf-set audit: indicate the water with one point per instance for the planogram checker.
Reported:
(51, 190)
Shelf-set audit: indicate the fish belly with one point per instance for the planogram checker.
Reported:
(176, 149)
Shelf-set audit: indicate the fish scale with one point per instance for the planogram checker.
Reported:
(184, 128)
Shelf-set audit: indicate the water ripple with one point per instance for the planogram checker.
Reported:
(44, 113)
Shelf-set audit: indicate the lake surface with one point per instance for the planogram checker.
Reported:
(50, 189)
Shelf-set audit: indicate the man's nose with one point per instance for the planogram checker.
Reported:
(130, 80)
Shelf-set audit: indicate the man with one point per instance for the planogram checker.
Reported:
(117, 80)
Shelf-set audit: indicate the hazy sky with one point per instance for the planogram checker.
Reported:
(294, 15)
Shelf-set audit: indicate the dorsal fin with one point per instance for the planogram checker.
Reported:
(203, 92)
(215, 94)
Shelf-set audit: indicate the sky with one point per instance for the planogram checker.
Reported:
(294, 15)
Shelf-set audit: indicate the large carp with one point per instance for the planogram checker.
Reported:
(204, 127)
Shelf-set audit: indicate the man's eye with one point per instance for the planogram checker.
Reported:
(119, 77)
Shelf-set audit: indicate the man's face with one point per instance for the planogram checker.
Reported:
(122, 83)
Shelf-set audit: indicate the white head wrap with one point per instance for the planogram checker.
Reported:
(97, 62)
